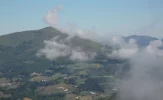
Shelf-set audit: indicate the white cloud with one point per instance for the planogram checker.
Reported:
(145, 75)
(153, 47)
(123, 49)
(81, 55)
(54, 49)
(51, 17)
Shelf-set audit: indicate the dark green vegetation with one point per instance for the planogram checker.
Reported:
(23, 74)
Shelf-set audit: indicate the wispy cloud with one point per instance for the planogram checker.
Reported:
(51, 17)
(55, 49)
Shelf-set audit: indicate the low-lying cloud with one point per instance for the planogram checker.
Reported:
(54, 49)
(144, 81)
(123, 49)
(126, 50)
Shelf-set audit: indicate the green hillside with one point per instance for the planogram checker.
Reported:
(23, 73)
(17, 38)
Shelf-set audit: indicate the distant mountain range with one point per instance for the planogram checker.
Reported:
(141, 40)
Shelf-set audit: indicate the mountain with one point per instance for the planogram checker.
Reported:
(21, 47)
(14, 39)
(141, 40)
(23, 74)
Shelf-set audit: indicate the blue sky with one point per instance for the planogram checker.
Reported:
(122, 17)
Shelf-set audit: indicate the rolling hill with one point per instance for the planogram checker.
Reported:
(23, 73)
(19, 65)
